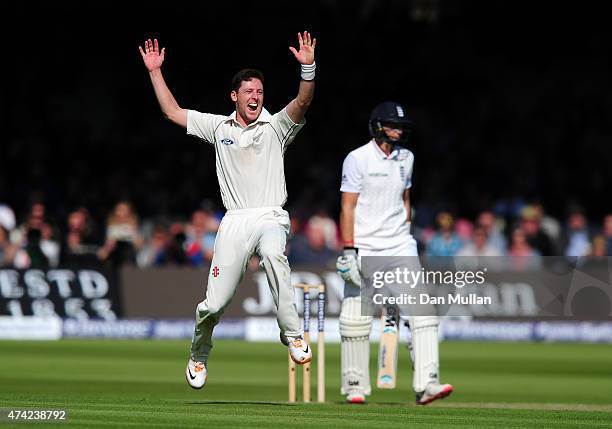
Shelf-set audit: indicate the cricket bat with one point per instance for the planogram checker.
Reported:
(387, 349)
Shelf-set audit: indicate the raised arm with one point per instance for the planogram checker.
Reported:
(153, 59)
(297, 108)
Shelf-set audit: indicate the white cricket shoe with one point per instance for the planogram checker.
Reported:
(196, 374)
(432, 392)
(356, 397)
(299, 350)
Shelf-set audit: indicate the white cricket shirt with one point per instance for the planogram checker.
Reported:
(249, 159)
(380, 180)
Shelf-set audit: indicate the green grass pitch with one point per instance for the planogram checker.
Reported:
(125, 383)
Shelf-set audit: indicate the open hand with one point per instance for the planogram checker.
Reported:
(152, 56)
(307, 47)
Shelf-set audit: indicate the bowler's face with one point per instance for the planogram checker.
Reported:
(249, 100)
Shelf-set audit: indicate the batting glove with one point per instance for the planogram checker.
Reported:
(347, 267)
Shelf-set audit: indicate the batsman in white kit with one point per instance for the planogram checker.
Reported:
(249, 146)
(375, 221)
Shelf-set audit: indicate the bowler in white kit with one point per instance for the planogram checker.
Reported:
(375, 221)
(249, 148)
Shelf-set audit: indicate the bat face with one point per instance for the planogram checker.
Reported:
(387, 350)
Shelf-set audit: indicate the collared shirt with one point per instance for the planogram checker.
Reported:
(249, 159)
(380, 180)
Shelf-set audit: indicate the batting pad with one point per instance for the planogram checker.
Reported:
(355, 333)
(355, 359)
(426, 357)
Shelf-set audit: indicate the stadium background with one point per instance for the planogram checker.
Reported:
(510, 100)
(511, 103)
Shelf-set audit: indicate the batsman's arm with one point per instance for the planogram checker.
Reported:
(153, 59)
(348, 203)
(347, 265)
(407, 205)
(296, 109)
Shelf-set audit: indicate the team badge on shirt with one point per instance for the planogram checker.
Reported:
(401, 155)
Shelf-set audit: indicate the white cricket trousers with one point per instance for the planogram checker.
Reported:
(424, 333)
(241, 234)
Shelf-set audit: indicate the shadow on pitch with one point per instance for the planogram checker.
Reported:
(237, 403)
(285, 404)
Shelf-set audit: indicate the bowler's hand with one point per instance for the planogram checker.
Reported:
(307, 47)
(151, 55)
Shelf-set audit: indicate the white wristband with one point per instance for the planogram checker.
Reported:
(308, 71)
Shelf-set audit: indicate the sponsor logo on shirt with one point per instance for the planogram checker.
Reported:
(402, 171)
(227, 141)
(378, 174)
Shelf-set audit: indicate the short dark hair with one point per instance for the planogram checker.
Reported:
(246, 75)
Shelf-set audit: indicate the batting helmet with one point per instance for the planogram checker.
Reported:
(390, 114)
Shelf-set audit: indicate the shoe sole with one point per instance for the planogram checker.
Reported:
(192, 386)
(443, 394)
(302, 362)
(356, 401)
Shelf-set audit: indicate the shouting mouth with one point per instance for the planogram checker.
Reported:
(252, 107)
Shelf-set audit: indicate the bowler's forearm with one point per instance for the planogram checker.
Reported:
(297, 108)
(170, 108)
(305, 93)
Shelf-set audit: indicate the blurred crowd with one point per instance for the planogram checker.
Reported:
(41, 241)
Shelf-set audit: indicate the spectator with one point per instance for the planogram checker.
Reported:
(123, 239)
(49, 246)
(31, 255)
(464, 229)
(537, 239)
(7, 218)
(577, 240)
(607, 232)
(7, 249)
(38, 216)
(479, 245)
(200, 237)
(314, 246)
(522, 255)
(493, 228)
(176, 245)
(80, 244)
(445, 241)
(599, 247)
(328, 227)
(35, 219)
(164, 248)
(153, 253)
(549, 225)
(596, 258)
